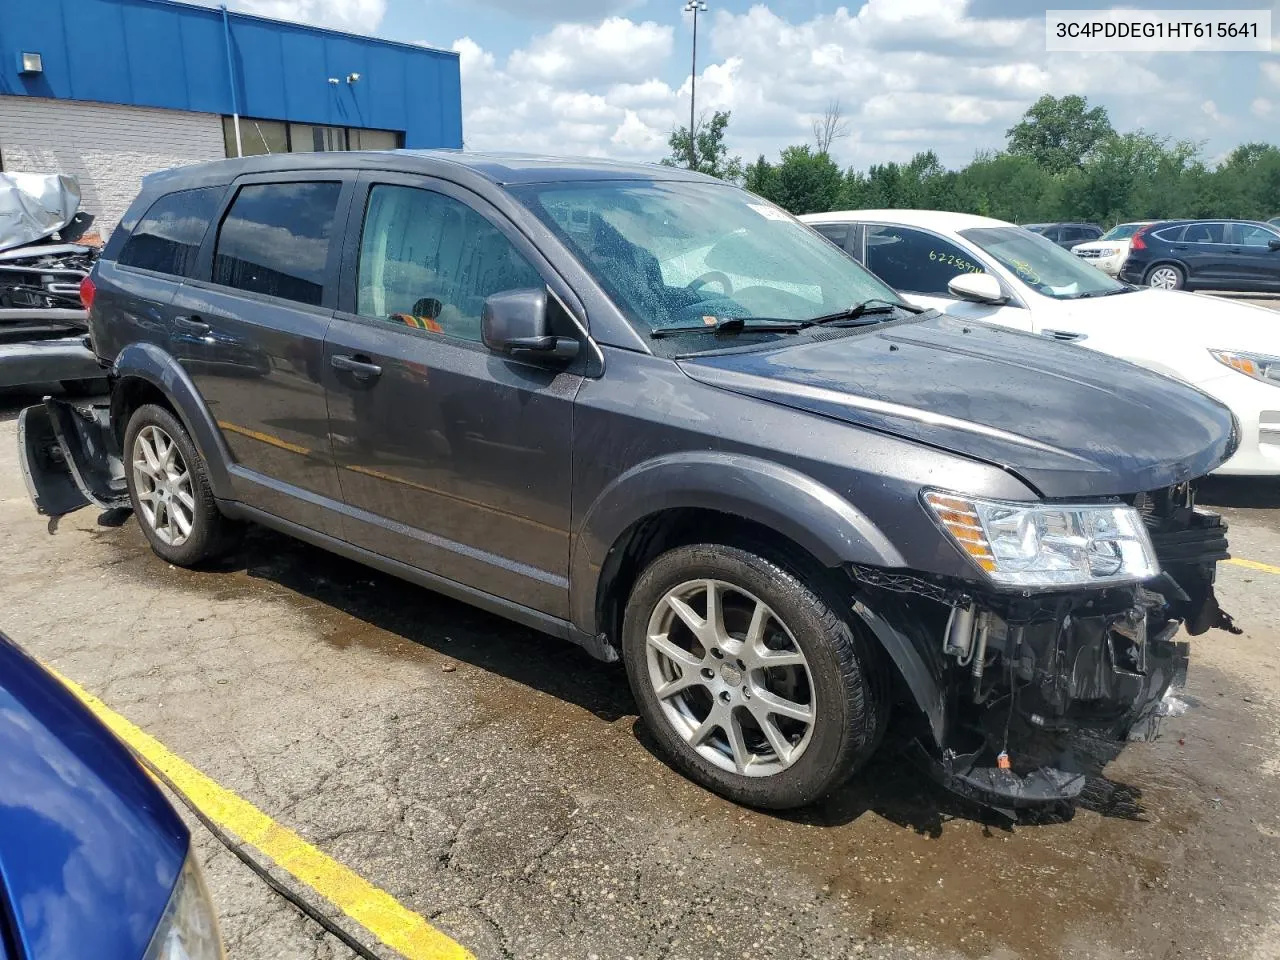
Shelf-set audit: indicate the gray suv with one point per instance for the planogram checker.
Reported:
(649, 413)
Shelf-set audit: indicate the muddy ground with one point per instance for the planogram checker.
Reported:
(497, 781)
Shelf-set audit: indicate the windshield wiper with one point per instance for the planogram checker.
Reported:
(860, 310)
(1090, 294)
(724, 325)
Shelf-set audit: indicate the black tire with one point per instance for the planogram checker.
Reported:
(209, 528)
(847, 678)
(1179, 276)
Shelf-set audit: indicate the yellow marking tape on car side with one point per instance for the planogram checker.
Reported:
(376, 910)
(1254, 565)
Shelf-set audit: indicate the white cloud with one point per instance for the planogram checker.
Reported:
(360, 16)
(1261, 107)
(1271, 70)
(615, 49)
(910, 75)
(555, 10)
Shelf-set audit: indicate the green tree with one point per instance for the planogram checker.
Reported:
(1059, 133)
(803, 181)
(710, 155)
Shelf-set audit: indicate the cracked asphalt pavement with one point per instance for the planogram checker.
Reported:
(497, 782)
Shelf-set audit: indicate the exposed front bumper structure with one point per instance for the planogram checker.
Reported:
(1026, 695)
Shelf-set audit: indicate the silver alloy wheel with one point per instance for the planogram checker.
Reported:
(730, 677)
(163, 486)
(1164, 278)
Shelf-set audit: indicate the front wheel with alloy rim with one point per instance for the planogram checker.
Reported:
(167, 485)
(1165, 276)
(752, 682)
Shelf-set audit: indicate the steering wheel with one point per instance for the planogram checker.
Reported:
(713, 276)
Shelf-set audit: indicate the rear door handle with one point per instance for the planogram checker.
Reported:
(191, 324)
(359, 367)
(1066, 335)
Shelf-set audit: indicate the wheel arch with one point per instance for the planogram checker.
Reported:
(146, 374)
(668, 500)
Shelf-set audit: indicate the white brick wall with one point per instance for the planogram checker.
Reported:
(108, 147)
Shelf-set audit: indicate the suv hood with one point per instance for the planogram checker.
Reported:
(1068, 421)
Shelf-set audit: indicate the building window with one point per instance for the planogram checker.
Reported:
(258, 137)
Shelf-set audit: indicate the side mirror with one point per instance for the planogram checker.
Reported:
(1273, 244)
(514, 322)
(977, 288)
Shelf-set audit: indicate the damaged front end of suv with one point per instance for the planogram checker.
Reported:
(1032, 681)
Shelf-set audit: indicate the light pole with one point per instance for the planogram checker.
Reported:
(695, 7)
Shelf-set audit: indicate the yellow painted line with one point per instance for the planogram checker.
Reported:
(1254, 565)
(376, 910)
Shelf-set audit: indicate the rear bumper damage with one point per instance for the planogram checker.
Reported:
(1026, 696)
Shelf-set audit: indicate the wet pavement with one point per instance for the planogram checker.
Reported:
(497, 781)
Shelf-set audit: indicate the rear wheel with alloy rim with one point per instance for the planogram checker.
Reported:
(751, 682)
(169, 490)
(1165, 277)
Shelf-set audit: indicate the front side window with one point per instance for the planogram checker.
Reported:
(169, 235)
(916, 261)
(275, 240)
(429, 261)
(1255, 236)
(1043, 266)
(673, 253)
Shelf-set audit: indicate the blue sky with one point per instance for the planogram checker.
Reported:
(611, 77)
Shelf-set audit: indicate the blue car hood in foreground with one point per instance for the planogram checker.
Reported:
(1069, 421)
(89, 848)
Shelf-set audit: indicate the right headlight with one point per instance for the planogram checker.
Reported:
(1047, 545)
(1260, 366)
(188, 929)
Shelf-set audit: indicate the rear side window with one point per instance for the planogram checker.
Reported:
(915, 261)
(1203, 233)
(168, 236)
(275, 240)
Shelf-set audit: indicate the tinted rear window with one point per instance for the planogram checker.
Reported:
(168, 236)
(275, 240)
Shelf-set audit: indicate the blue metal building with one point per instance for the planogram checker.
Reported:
(111, 89)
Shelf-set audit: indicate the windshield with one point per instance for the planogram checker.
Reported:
(673, 253)
(1041, 264)
(1121, 231)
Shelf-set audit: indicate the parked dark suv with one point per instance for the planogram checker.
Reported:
(647, 412)
(1066, 235)
(1205, 255)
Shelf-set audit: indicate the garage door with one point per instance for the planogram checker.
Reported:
(108, 147)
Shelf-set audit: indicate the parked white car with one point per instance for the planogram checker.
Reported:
(996, 272)
(1109, 251)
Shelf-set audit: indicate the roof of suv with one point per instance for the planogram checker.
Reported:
(499, 168)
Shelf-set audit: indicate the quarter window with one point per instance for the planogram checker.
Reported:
(275, 240)
(915, 261)
(837, 233)
(428, 262)
(168, 237)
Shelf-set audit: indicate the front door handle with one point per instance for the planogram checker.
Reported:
(359, 367)
(191, 325)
